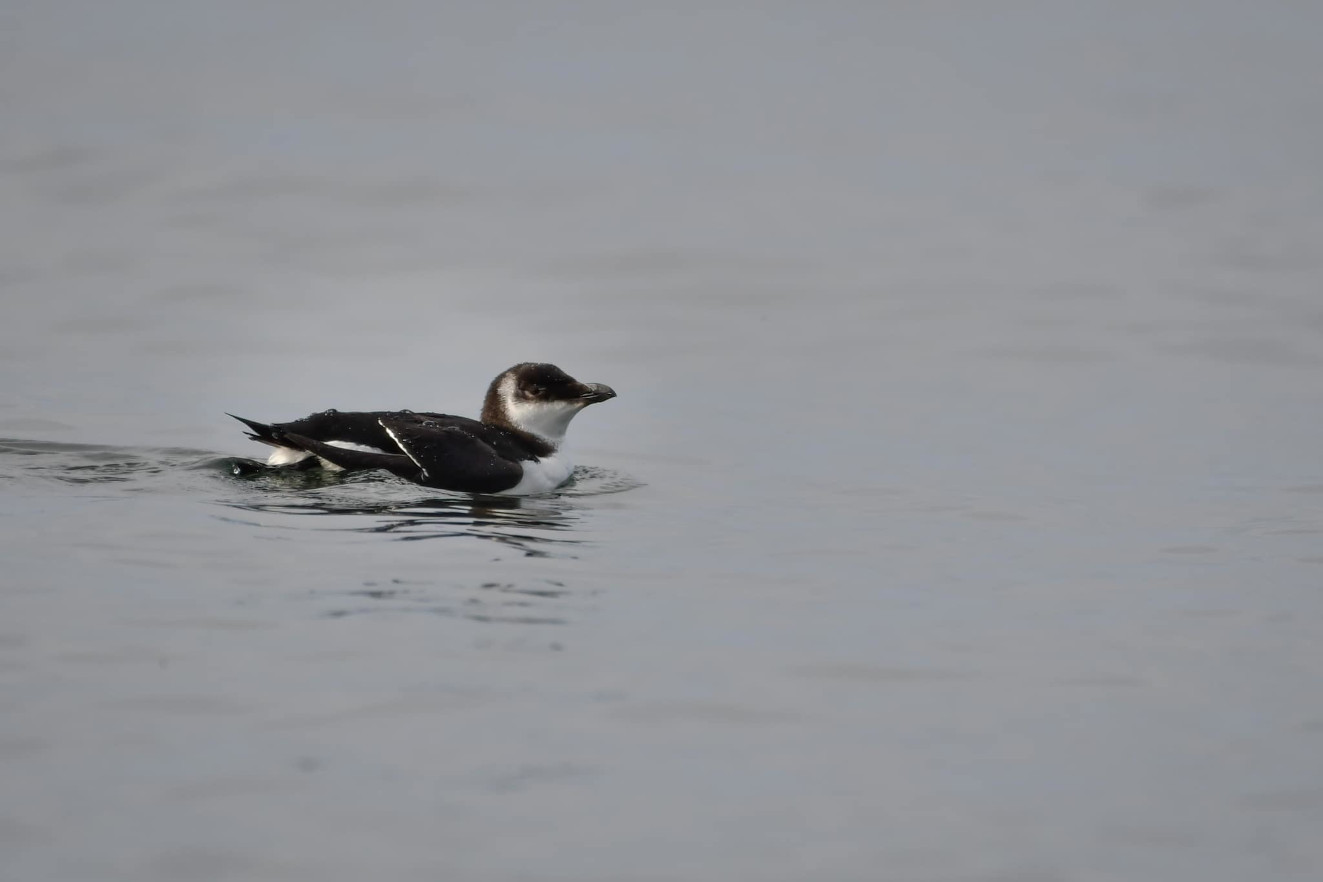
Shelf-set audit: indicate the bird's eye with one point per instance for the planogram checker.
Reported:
(537, 391)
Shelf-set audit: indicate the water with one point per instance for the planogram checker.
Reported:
(960, 517)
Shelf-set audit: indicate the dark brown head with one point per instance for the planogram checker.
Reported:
(540, 399)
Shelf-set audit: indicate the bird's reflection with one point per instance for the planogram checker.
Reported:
(523, 600)
(368, 504)
(371, 505)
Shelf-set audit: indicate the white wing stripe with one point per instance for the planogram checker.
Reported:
(407, 452)
(350, 445)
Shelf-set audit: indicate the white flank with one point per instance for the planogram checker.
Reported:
(361, 448)
(542, 475)
(284, 456)
(287, 456)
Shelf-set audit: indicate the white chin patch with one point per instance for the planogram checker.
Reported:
(546, 419)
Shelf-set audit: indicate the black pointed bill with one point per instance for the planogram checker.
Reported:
(595, 392)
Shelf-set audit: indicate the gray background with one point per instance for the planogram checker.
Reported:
(959, 517)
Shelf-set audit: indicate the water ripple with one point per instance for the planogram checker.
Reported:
(256, 495)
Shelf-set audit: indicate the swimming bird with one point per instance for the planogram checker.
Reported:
(514, 449)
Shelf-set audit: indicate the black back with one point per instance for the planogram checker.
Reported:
(440, 450)
(364, 427)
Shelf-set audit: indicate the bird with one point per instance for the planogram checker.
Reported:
(514, 449)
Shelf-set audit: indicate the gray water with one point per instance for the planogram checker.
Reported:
(960, 517)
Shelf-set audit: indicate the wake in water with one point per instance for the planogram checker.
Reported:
(365, 502)
(95, 464)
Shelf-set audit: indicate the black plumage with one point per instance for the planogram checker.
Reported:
(442, 450)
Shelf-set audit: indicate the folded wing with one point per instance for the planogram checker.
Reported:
(450, 457)
(345, 458)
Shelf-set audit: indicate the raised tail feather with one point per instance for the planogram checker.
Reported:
(288, 445)
(263, 432)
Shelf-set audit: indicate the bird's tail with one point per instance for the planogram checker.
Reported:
(263, 432)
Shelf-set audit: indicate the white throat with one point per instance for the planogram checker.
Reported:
(545, 419)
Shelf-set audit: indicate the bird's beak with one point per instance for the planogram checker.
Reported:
(595, 392)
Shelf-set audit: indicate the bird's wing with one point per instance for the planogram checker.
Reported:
(347, 458)
(450, 456)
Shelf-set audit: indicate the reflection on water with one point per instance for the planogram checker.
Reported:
(395, 509)
(467, 582)
(83, 464)
(517, 523)
(979, 409)
(542, 603)
(358, 502)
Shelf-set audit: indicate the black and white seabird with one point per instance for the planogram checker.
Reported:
(515, 449)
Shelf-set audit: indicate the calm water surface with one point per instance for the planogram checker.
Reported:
(960, 517)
